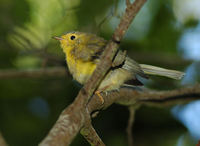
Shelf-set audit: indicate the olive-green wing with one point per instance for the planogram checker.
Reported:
(92, 49)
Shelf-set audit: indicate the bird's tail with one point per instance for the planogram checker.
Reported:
(153, 70)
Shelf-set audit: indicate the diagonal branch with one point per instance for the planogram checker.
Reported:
(131, 10)
(75, 113)
(91, 135)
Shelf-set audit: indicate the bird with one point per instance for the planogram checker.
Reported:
(83, 51)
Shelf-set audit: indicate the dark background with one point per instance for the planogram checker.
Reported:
(164, 33)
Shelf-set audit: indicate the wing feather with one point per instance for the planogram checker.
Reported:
(91, 49)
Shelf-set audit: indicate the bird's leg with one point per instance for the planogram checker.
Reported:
(99, 91)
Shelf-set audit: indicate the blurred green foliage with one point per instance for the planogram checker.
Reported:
(26, 29)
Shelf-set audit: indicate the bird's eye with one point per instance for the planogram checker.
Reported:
(72, 37)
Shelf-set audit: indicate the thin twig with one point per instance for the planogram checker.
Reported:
(130, 125)
(33, 73)
(144, 57)
(129, 15)
(128, 3)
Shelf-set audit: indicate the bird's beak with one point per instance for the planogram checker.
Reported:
(57, 38)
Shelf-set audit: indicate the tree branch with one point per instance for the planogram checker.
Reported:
(133, 97)
(127, 97)
(160, 98)
(63, 132)
(91, 136)
(33, 73)
(131, 10)
(151, 58)
(89, 132)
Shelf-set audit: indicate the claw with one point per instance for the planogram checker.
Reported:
(98, 93)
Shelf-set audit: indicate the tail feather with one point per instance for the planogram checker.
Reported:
(153, 70)
(134, 67)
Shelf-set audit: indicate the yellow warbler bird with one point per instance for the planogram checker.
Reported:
(83, 52)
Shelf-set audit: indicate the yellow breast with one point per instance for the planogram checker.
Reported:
(80, 70)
